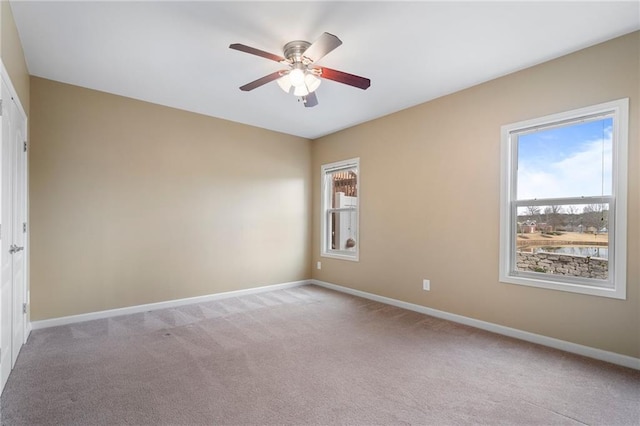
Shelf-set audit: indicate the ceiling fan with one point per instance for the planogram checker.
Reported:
(302, 77)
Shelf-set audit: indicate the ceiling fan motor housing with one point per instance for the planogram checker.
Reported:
(294, 49)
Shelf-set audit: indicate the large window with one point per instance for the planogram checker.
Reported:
(340, 206)
(563, 195)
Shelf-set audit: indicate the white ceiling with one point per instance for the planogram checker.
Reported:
(176, 53)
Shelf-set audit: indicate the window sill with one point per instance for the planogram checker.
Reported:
(566, 287)
(341, 256)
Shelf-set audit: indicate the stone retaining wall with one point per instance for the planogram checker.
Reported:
(564, 264)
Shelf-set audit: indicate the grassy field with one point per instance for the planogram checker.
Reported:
(566, 238)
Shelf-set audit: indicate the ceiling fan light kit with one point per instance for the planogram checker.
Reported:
(302, 79)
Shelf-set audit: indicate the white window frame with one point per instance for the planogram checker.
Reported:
(616, 285)
(326, 210)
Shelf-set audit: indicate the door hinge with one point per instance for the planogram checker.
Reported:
(25, 146)
(24, 308)
(24, 227)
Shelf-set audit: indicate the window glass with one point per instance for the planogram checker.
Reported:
(340, 210)
(563, 195)
(572, 160)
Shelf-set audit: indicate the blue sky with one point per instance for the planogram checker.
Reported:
(565, 161)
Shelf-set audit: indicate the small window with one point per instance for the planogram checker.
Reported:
(340, 207)
(563, 196)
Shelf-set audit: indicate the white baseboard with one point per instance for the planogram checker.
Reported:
(563, 345)
(54, 322)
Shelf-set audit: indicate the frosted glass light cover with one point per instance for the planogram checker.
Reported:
(285, 83)
(296, 76)
(312, 82)
(301, 91)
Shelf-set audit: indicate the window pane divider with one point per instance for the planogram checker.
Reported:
(342, 209)
(572, 200)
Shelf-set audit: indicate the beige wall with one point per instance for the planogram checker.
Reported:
(134, 203)
(12, 54)
(430, 200)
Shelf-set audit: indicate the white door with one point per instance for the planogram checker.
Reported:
(19, 224)
(12, 238)
(6, 240)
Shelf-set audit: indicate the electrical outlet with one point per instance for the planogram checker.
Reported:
(319, 265)
(426, 285)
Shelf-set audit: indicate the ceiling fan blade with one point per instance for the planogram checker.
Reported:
(323, 45)
(310, 100)
(257, 52)
(261, 81)
(345, 78)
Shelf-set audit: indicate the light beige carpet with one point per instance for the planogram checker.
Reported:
(305, 355)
